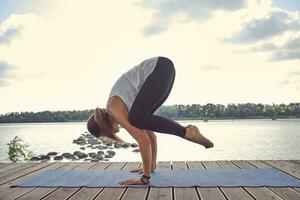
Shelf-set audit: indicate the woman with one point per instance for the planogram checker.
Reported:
(131, 103)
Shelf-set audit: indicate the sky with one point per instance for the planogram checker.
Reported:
(67, 54)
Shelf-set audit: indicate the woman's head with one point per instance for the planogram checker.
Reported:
(101, 123)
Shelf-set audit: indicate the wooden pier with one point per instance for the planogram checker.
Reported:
(13, 172)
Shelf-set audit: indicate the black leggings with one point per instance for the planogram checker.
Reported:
(151, 96)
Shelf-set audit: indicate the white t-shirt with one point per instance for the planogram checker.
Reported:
(129, 83)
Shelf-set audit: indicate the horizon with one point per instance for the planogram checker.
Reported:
(63, 55)
(76, 110)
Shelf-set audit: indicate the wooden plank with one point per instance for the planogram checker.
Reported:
(109, 192)
(286, 192)
(5, 164)
(286, 166)
(40, 192)
(6, 192)
(257, 192)
(86, 193)
(183, 193)
(68, 165)
(11, 169)
(134, 193)
(206, 193)
(233, 192)
(164, 193)
(210, 165)
(65, 192)
(7, 178)
(298, 161)
(211, 193)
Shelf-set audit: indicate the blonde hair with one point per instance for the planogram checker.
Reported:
(99, 124)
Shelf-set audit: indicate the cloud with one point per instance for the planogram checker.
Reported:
(290, 44)
(265, 47)
(194, 10)
(285, 55)
(275, 23)
(5, 69)
(8, 35)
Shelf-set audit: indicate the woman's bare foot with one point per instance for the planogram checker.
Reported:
(193, 134)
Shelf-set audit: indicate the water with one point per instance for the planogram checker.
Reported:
(251, 139)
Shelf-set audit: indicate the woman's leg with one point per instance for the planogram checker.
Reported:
(152, 94)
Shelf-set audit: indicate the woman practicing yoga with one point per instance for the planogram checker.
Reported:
(131, 103)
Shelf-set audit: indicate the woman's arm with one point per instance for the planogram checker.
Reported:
(145, 147)
(153, 139)
(120, 114)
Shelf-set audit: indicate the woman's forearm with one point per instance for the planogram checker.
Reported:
(144, 146)
(152, 137)
(154, 152)
(146, 154)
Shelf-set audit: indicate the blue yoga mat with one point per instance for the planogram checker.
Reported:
(162, 178)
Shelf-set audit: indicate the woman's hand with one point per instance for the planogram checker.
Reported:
(132, 181)
(140, 170)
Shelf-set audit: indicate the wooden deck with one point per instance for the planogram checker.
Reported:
(10, 173)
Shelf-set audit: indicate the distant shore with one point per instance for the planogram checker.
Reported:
(179, 119)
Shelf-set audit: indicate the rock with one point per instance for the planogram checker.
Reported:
(100, 152)
(44, 157)
(111, 152)
(82, 148)
(94, 156)
(87, 159)
(91, 154)
(52, 153)
(80, 155)
(99, 157)
(94, 160)
(117, 145)
(80, 141)
(108, 143)
(58, 158)
(134, 145)
(93, 142)
(67, 155)
(136, 150)
(108, 156)
(34, 158)
(101, 147)
(126, 145)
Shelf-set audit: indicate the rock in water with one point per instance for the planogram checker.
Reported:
(58, 158)
(52, 153)
(44, 157)
(34, 158)
(136, 150)
(134, 145)
(80, 155)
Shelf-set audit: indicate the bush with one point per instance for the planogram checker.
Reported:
(17, 151)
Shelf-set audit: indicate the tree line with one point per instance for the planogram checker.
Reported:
(177, 111)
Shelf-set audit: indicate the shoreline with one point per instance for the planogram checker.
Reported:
(179, 119)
